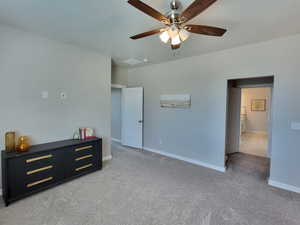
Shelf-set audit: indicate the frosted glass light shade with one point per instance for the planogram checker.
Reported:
(184, 34)
(176, 40)
(164, 37)
(173, 31)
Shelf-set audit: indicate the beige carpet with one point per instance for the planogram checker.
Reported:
(139, 188)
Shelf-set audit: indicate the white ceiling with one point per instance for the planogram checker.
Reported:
(106, 25)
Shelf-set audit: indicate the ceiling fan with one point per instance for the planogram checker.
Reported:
(176, 30)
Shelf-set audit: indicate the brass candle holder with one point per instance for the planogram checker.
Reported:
(23, 144)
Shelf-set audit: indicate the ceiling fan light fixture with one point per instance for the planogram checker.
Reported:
(175, 40)
(173, 31)
(184, 34)
(164, 37)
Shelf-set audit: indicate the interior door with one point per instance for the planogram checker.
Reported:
(233, 120)
(132, 116)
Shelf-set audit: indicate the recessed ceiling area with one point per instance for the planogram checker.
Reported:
(107, 25)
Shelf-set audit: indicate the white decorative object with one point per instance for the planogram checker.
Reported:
(175, 101)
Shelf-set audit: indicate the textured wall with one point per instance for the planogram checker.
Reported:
(30, 65)
(119, 75)
(199, 133)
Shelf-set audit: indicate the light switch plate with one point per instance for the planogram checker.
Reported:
(295, 125)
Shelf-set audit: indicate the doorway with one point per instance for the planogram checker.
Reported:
(116, 112)
(248, 128)
(127, 115)
(255, 117)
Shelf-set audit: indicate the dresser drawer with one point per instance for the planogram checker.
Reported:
(32, 179)
(84, 167)
(30, 184)
(86, 149)
(34, 171)
(41, 164)
(23, 166)
(85, 158)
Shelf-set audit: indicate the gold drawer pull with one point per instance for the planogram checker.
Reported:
(83, 148)
(83, 157)
(39, 158)
(84, 167)
(39, 170)
(39, 182)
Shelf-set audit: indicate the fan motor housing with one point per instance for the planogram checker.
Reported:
(174, 17)
(174, 14)
(174, 5)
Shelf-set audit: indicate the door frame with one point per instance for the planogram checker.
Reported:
(117, 87)
(263, 84)
(230, 147)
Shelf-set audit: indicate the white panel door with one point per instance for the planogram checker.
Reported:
(233, 120)
(132, 117)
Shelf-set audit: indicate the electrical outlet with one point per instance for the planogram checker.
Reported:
(160, 141)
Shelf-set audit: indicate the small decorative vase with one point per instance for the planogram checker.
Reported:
(23, 144)
(10, 141)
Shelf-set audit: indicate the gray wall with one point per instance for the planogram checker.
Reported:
(116, 113)
(119, 75)
(30, 65)
(199, 133)
(256, 120)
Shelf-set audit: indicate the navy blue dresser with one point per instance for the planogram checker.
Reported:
(47, 165)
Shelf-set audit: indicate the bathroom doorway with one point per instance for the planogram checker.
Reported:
(254, 122)
(249, 122)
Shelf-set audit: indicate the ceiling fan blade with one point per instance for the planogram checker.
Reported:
(206, 30)
(174, 47)
(149, 11)
(148, 33)
(197, 7)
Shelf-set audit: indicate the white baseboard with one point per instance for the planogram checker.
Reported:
(116, 140)
(284, 186)
(107, 158)
(192, 161)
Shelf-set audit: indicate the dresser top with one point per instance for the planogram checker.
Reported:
(48, 146)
